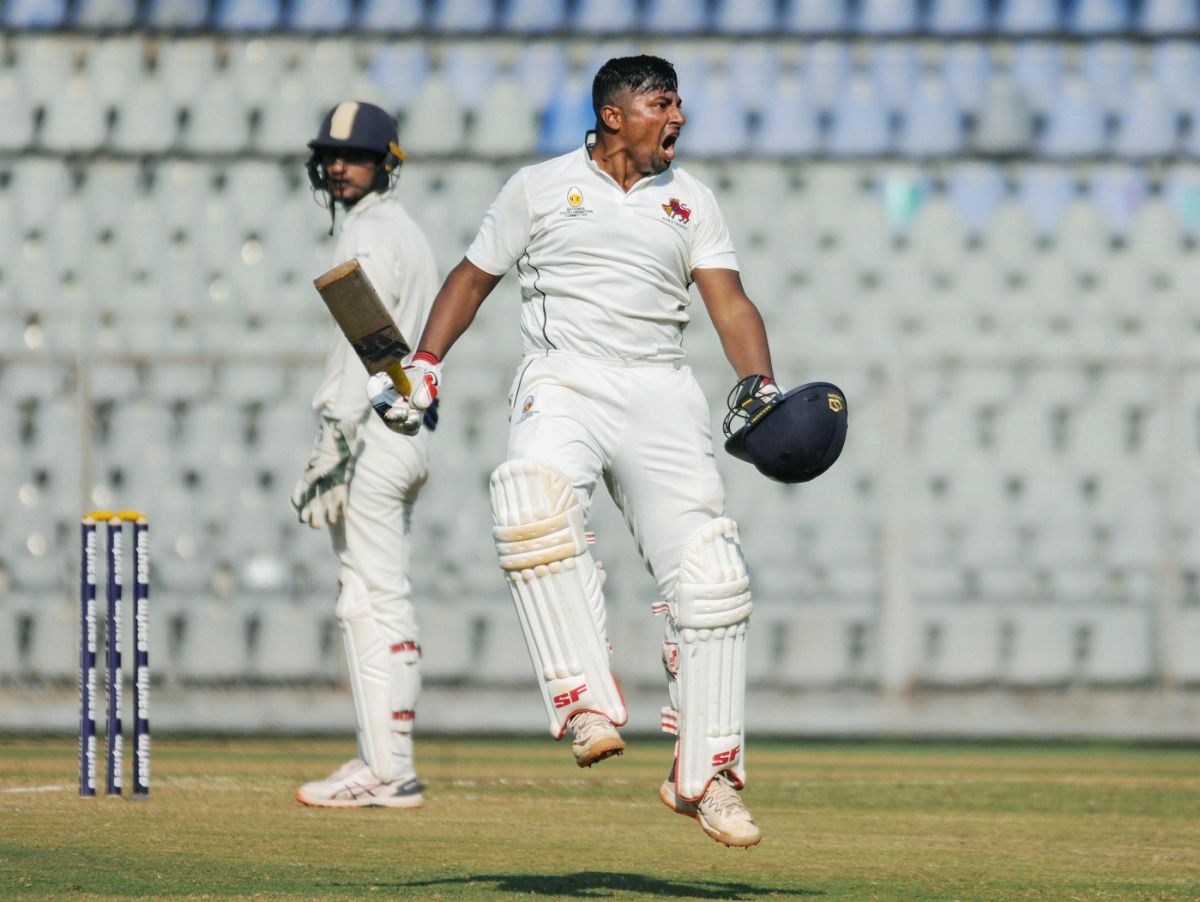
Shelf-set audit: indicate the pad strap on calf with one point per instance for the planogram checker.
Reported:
(708, 623)
(542, 546)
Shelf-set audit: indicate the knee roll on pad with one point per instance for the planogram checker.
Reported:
(708, 625)
(542, 548)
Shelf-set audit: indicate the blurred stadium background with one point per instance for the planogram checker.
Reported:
(979, 217)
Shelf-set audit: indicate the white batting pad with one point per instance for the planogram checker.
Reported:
(540, 540)
(368, 661)
(710, 617)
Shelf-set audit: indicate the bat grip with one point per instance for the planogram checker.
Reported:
(400, 379)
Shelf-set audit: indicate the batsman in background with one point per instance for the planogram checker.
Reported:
(606, 240)
(354, 162)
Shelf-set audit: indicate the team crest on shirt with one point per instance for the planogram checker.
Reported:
(574, 208)
(677, 211)
(527, 409)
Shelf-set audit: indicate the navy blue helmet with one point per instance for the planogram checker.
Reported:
(793, 437)
(356, 125)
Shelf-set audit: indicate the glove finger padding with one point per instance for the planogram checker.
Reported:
(329, 470)
(333, 502)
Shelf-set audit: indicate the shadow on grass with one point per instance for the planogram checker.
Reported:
(599, 885)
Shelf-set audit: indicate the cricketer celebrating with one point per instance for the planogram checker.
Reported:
(353, 163)
(606, 240)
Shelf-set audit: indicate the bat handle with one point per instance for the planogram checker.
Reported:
(400, 379)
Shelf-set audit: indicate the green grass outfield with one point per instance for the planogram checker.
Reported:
(515, 818)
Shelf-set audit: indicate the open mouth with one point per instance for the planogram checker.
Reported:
(668, 145)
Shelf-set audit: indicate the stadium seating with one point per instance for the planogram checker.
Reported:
(991, 239)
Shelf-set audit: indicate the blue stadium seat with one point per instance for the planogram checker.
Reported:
(815, 17)
(790, 124)
(246, 15)
(317, 15)
(399, 70)
(827, 67)
(1027, 16)
(955, 17)
(175, 14)
(462, 15)
(1075, 125)
(975, 191)
(541, 68)
(391, 15)
(674, 17)
(886, 17)
(104, 14)
(860, 126)
(1148, 126)
(1038, 67)
(605, 16)
(567, 118)
(1091, 17)
(1109, 67)
(895, 67)
(1118, 190)
(932, 124)
(533, 16)
(717, 123)
(1191, 141)
(745, 17)
(470, 68)
(1168, 17)
(1176, 65)
(754, 71)
(34, 13)
(966, 68)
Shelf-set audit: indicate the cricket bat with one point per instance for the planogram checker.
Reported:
(363, 319)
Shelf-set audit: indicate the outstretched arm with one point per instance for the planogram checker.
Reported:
(737, 321)
(455, 307)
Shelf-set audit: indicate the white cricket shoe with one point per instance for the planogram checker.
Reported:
(354, 786)
(721, 812)
(595, 738)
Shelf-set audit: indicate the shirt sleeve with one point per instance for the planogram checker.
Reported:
(506, 229)
(712, 245)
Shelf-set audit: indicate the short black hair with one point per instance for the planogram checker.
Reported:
(637, 74)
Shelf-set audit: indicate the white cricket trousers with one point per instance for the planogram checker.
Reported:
(643, 428)
(373, 543)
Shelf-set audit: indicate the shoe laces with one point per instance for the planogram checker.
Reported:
(586, 725)
(723, 798)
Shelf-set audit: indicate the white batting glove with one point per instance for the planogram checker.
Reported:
(425, 373)
(396, 411)
(405, 414)
(321, 493)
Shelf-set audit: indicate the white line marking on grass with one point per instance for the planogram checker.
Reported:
(16, 789)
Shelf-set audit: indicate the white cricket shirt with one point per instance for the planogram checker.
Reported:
(393, 251)
(604, 272)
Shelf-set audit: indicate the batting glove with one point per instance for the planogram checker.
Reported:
(396, 411)
(406, 414)
(425, 373)
(321, 493)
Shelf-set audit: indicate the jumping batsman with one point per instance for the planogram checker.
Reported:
(606, 241)
(354, 161)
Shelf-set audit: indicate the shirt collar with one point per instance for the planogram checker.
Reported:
(369, 200)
